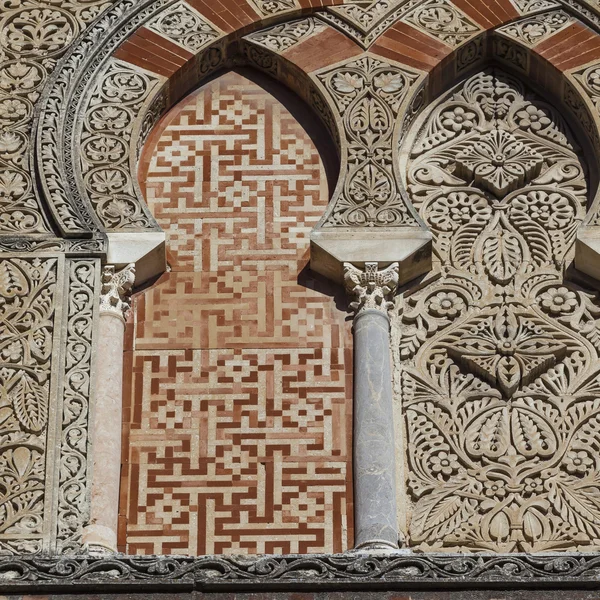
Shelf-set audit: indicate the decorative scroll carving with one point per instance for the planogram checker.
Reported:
(333, 572)
(27, 296)
(185, 26)
(371, 288)
(442, 20)
(119, 95)
(73, 497)
(536, 29)
(116, 290)
(498, 356)
(368, 93)
(266, 8)
(284, 36)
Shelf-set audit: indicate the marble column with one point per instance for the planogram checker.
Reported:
(100, 535)
(375, 517)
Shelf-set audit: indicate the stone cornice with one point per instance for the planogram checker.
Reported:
(298, 572)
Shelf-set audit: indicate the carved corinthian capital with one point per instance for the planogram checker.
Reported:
(116, 290)
(371, 288)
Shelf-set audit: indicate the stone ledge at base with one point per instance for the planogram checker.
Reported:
(316, 572)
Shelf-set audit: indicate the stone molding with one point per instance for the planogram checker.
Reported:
(356, 572)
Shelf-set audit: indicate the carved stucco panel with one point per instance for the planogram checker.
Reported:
(28, 290)
(185, 26)
(33, 36)
(368, 94)
(497, 355)
(528, 7)
(282, 37)
(536, 29)
(444, 21)
(266, 8)
(107, 144)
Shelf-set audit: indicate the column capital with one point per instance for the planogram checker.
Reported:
(116, 290)
(371, 288)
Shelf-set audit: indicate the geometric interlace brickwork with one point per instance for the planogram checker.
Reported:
(498, 356)
(239, 408)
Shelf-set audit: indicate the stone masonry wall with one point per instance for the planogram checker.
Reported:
(238, 366)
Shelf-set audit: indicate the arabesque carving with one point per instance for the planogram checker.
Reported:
(498, 355)
(107, 141)
(368, 94)
(184, 26)
(282, 37)
(266, 8)
(27, 294)
(444, 21)
(538, 28)
(34, 37)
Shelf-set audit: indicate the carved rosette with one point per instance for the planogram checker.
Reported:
(498, 356)
(371, 288)
(116, 291)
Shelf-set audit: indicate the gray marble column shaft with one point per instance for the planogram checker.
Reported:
(375, 520)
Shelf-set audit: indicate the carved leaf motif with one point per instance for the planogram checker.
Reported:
(30, 401)
(441, 512)
(489, 434)
(502, 255)
(533, 436)
(12, 280)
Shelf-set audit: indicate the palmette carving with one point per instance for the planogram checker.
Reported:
(368, 94)
(498, 356)
(284, 36)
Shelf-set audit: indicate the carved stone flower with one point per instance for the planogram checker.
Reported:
(494, 489)
(444, 463)
(558, 301)
(593, 79)
(12, 109)
(389, 82)
(446, 304)
(532, 118)
(459, 119)
(499, 162)
(578, 462)
(347, 83)
(12, 352)
(533, 486)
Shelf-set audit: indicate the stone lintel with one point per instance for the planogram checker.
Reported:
(147, 250)
(410, 247)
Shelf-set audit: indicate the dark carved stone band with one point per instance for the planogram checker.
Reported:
(299, 572)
